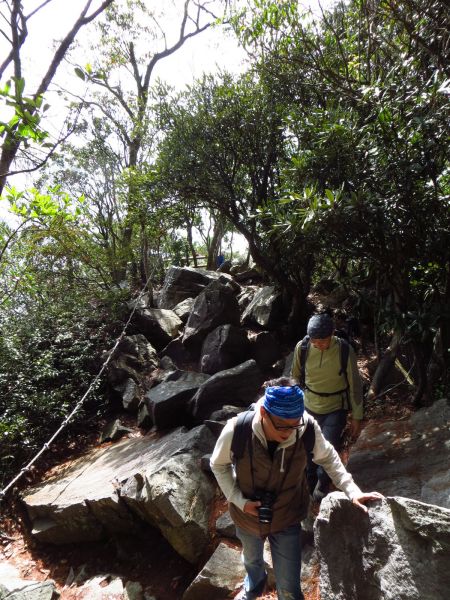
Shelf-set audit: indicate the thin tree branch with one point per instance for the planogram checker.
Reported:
(10, 237)
(37, 9)
(67, 42)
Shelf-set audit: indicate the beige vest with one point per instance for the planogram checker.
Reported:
(292, 500)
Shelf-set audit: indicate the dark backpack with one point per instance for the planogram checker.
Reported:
(344, 350)
(243, 433)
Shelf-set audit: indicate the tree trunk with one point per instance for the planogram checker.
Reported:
(420, 396)
(445, 327)
(214, 246)
(190, 242)
(384, 366)
(436, 367)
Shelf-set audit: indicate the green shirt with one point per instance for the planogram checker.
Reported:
(322, 375)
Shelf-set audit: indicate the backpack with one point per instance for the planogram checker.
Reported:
(344, 351)
(243, 433)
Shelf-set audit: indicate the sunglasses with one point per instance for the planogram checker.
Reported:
(285, 427)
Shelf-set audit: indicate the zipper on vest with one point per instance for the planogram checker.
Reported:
(282, 461)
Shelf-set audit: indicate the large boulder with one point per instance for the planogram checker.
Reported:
(109, 490)
(185, 282)
(225, 347)
(216, 305)
(239, 385)
(288, 364)
(265, 310)
(135, 356)
(13, 587)
(144, 301)
(102, 587)
(246, 296)
(399, 551)
(130, 394)
(265, 349)
(223, 574)
(168, 401)
(225, 526)
(158, 325)
(184, 308)
(178, 353)
(408, 457)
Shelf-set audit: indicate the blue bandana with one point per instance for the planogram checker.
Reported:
(285, 402)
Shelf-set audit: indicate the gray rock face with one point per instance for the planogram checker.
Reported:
(265, 309)
(409, 458)
(238, 385)
(216, 305)
(158, 325)
(144, 301)
(102, 587)
(138, 346)
(167, 364)
(265, 349)
(168, 401)
(288, 365)
(225, 347)
(226, 412)
(113, 431)
(135, 356)
(221, 575)
(130, 395)
(225, 526)
(183, 309)
(144, 419)
(225, 267)
(177, 353)
(246, 296)
(400, 551)
(12, 587)
(111, 489)
(185, 282)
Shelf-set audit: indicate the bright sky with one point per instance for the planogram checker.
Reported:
(211, 50)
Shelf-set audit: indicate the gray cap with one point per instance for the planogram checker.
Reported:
(320, 327)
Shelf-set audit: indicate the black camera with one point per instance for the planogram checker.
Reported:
(267, 500)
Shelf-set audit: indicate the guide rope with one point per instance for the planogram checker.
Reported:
(77, 407)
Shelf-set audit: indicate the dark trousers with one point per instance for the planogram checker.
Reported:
(332, 425)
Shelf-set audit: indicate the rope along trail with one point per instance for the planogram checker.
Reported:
(77, 407)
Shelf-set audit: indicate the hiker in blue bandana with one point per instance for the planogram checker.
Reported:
(259, 462)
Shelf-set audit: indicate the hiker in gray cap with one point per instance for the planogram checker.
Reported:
(326, 368)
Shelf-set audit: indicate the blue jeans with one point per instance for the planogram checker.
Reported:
(286, 558)
(332, 426)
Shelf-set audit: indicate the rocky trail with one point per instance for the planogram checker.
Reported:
(141, 517)
(149, 560)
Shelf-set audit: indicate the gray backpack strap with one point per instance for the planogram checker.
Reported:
(242, 433)
(309, 437)
(304, 345)
(344, 350)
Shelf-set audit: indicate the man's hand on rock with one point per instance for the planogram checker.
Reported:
(360, 501)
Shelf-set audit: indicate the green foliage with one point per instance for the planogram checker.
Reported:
(48, 358)
(33, 204)
(25, 122)
(53, 306)
(225, 148)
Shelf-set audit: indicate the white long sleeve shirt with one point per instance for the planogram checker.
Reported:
(323, 454)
